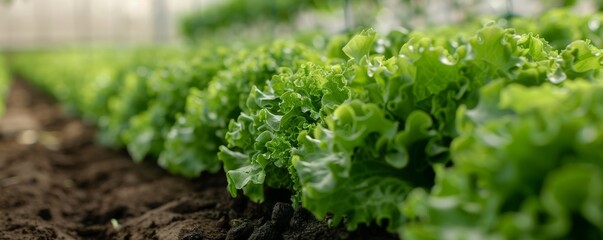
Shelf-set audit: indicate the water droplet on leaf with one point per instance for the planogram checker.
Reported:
(557, 77)
(594, 24)
(445, 60)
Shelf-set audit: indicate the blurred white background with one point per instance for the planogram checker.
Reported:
(35, 23)
(49, 23)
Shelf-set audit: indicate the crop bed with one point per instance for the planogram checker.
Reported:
(482, 133)
(56, 183)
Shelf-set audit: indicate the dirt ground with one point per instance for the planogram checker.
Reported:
(56, 183)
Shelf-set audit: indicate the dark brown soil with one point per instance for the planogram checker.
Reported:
(56, 183)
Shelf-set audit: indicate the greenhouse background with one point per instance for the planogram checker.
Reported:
(40, 23)
(48, 23)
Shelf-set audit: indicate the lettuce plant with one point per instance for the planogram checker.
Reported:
(527, 165)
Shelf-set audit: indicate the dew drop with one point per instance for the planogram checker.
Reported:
(454, 44)
(557, 77)
(445, 60)
(594, 24)
(380, 49)
(370, 72)
(480, 39)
